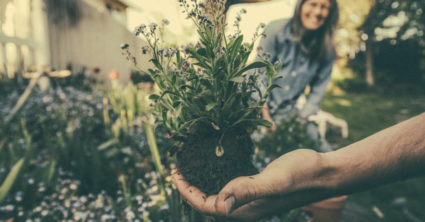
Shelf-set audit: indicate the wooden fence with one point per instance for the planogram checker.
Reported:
(22, 36)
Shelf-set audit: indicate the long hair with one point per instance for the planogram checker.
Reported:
(320, 44)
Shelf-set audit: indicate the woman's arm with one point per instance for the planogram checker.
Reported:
(317, 90)
(305, 176)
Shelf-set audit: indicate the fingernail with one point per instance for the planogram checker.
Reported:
(228, 204)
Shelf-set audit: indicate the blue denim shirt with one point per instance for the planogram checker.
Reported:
(297, 72)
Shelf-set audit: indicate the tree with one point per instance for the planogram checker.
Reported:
(397, 21)
(375, 22)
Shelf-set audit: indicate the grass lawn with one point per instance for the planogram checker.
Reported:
(366, 113)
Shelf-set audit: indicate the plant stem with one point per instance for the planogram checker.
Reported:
(23, 98)
(153, 148)
(157, 161)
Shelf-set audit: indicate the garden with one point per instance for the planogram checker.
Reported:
(76, 148)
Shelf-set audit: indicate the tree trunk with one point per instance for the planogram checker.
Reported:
(370, 79)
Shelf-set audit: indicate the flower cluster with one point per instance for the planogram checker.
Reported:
(201, 13)
(259, 32)
(238, 21)
(66, 203)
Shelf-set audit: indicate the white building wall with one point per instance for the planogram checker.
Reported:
(94, 42)
(30, 39)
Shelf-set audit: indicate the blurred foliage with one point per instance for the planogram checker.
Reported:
(290, 134)
(392, 30)
(352, 16)
(11, 84)
(137, 77)
(406, 17)
(394, 64)
(80, 155)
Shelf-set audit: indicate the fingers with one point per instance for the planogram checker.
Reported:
(193, 196)
(273, 127)
(237, 193)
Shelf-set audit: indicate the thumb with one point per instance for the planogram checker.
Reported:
(236, 193)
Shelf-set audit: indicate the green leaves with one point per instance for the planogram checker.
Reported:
(210, 106)
(10, 179)
(154, 97)
(210, 82)
(235, 47)
(254, 65)
(238, 79)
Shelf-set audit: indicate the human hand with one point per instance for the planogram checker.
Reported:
(266, 115)
(249, 198)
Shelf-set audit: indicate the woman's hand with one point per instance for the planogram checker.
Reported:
(266, 115)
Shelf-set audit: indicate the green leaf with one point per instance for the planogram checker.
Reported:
(190, 123)
(236, 46)
(2, 142)
(254, 65)
(152, 73)
(229, 102)
(238, 79)
(178, 111)
(154, 97)
(210, 106)
(179, 59)
(245, 114)
(194, 54)
(183, 87)
(203, 65)
(218, 39)
(176, 103)
(270, 73)
(160, 83)
(10, 179)
(50, 172)
(107, 144)
(215, 126)
(202, 52)
(206, 83)
(174, 79)
(164, 115)
(168, 92)
(156, 63)
(270, 88)
(259, 122)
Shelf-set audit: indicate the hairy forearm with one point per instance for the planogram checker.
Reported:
(395, 153)
(392, 154)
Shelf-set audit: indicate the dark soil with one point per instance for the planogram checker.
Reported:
(201, 167)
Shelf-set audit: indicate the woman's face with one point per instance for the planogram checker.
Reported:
(314, 13)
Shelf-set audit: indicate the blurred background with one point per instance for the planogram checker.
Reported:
(76, 138)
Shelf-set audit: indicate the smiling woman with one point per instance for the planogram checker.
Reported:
(304, 45)
(314, 14)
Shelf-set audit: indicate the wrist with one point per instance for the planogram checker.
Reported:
(330, 172)
(307, 170)
(319, 177)
(340, 171)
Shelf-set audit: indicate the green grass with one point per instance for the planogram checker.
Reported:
(366, 113)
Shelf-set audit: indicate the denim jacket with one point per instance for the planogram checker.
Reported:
(297, 72)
